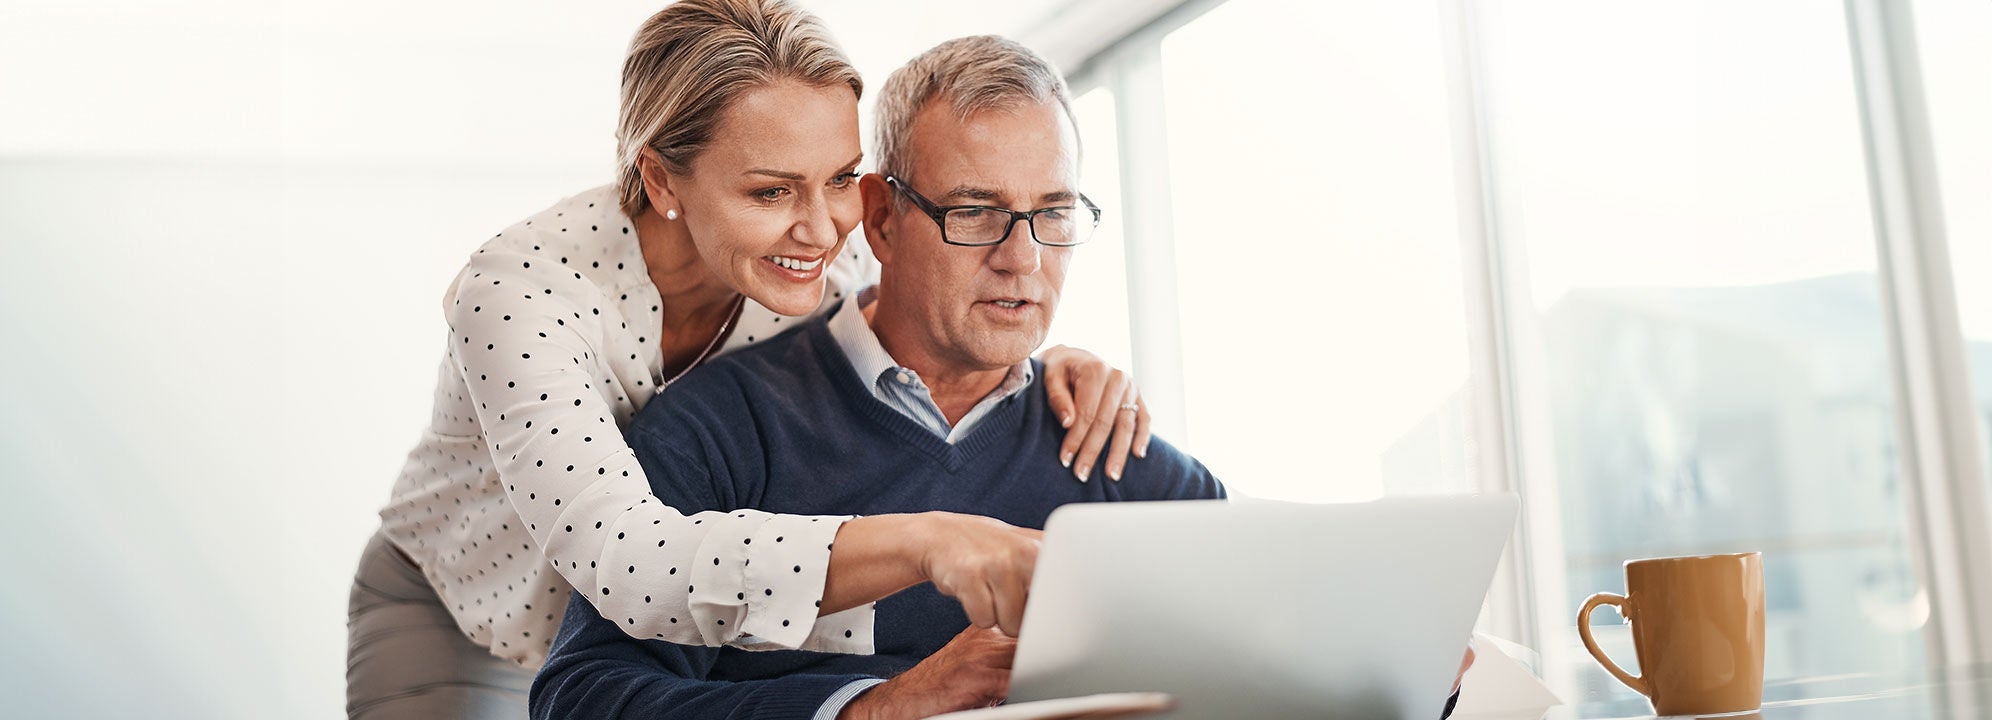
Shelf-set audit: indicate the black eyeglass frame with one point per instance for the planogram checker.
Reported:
(1029, 217)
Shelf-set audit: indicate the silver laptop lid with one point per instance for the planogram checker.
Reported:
(1259, 609)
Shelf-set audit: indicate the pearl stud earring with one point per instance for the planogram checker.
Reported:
(671, 214)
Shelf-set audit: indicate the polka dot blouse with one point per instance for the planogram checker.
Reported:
(522, 487)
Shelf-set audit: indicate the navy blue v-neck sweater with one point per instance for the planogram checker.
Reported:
(788, 427)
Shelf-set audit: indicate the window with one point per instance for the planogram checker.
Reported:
(1322, 327)
(1685, 319)
(1951, 35)
(1690, 204)
(1093, 309)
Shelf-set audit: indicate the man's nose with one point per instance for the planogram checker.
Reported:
(1018, 254)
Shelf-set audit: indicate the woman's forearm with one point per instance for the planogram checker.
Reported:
(872, 558)
(982, 562)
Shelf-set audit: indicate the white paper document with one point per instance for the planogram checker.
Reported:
(1499, 686)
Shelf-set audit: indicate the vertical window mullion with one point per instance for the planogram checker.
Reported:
(1942, 459)
(1135, 76)
(1495, 449)
(1514, 448)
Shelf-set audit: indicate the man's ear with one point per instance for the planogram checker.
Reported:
(657, 182)
(878, 215)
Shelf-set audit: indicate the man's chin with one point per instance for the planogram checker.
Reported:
(1004, 352)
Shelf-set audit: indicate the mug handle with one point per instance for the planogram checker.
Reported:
(1584, 630)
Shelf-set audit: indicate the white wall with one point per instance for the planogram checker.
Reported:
(227, 227)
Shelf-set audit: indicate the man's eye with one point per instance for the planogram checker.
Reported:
(1055, 213)
(971, 213)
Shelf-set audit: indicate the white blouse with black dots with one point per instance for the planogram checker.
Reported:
(550, 355)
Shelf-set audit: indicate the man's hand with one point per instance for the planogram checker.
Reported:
(971, 671)
(983, 563)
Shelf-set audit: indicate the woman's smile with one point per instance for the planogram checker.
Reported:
(795, 269)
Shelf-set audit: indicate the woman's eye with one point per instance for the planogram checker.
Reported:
(843, 180)
(771, 194)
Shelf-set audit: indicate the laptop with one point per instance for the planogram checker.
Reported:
(1255, 609)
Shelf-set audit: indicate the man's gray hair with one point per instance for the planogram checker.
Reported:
(972, 74)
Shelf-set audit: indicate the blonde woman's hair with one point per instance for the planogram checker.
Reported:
(971, 74)
(694, 58)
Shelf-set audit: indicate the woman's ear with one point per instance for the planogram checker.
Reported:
(878, 215)
(657, 184)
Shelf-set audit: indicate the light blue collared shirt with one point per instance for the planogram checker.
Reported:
(900, 388)
(834, 704)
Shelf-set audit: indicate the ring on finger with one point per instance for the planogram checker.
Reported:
(1130, 406)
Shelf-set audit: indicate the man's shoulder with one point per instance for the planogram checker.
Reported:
(789, 357)
(783, 361)
(1165, 461)
(781, 366)
(1166, 472)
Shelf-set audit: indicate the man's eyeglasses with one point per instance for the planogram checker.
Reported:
(984, 225)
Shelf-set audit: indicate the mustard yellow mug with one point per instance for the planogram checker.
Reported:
(1697, 628)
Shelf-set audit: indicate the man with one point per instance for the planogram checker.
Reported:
(924, 398)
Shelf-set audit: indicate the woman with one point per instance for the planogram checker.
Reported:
(738, 149)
